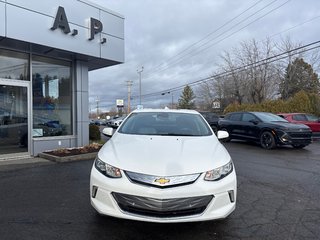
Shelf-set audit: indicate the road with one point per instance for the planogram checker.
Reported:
(278, 198)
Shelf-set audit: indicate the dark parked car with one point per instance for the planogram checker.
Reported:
(212, 119)
(265, 128)
(310, 120)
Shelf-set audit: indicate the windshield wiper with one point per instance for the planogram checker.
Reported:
(176, 134)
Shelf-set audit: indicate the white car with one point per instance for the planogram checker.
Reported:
(116, 122)
(164, 166)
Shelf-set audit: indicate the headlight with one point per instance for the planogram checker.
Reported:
(107, 169)
(219, 173)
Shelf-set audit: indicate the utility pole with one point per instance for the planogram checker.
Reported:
(171, 100)
(129, 84)
(139, 72)
(97, 100)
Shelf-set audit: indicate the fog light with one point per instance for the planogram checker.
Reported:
(94, 191)
(285, 138)
(231, 195)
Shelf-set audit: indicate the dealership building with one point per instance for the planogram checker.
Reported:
(47, 49)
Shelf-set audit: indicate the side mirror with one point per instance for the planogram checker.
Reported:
(108, 131)
(222, 134)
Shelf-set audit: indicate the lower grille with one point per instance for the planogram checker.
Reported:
(297, 137)
(162, 208)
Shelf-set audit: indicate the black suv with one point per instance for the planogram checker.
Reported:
(265, 128)
(212, 119)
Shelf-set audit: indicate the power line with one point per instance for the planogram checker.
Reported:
(208, 35)
(194, 52)
(258, 63)
(198, 49)
(288, 29)
(295, 26)
(261, 62)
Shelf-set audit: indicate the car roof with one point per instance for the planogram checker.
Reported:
(286, 114)
(166, 110)
(248, 112)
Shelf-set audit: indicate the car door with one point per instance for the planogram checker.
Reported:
(235, 125)
(250, 126)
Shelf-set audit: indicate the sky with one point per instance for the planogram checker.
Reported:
(181, 41)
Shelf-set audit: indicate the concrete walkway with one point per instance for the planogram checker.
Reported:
(20, 158)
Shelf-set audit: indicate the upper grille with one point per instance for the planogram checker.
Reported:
(162, 182)
(162, 208)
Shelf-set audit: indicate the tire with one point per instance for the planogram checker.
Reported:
(267, 140)
(299, 146)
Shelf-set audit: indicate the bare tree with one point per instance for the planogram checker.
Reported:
(247, 76)
(236, 81)
(206, 95)
(259, 75)
(286, 46)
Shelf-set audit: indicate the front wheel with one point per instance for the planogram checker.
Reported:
(267, 140)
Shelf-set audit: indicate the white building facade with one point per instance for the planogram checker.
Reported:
(47, 49)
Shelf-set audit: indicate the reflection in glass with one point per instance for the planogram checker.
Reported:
(14, 65)
(13, 119)
(52, 97)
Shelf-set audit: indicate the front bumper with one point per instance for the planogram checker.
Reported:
(199, 201)
(294, 137)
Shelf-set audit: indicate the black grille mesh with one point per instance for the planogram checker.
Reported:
(162, 208)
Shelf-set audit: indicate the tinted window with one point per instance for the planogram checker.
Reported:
(235, 117)
(165, 123)
(269, 117)
(210, 117)
(312, 118)
(14, 65)
(247, 117)
(299, 117)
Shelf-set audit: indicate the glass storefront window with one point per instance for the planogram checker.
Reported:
(52, 97)
(14, 65)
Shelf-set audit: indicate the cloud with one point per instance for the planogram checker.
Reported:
(158, 34)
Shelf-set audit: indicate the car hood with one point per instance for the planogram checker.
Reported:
(164, 155)
(291, 126)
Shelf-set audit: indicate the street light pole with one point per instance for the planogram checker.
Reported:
(129, 84)
(171, 100)
(97, 100)
(139, 72)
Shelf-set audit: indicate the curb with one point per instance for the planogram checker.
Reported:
(22, 161)
(85, 156)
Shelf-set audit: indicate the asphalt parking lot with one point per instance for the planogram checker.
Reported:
(278, 198)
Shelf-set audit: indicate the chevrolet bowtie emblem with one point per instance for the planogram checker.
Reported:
(162, 180)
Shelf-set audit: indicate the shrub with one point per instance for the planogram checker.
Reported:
(94, 133)
(315, 103)
(301, 102)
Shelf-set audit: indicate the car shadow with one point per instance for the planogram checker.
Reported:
(257, 145)
(147, 230)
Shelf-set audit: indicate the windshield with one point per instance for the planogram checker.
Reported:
(269, 117)
(165, 124)
(312, 118)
